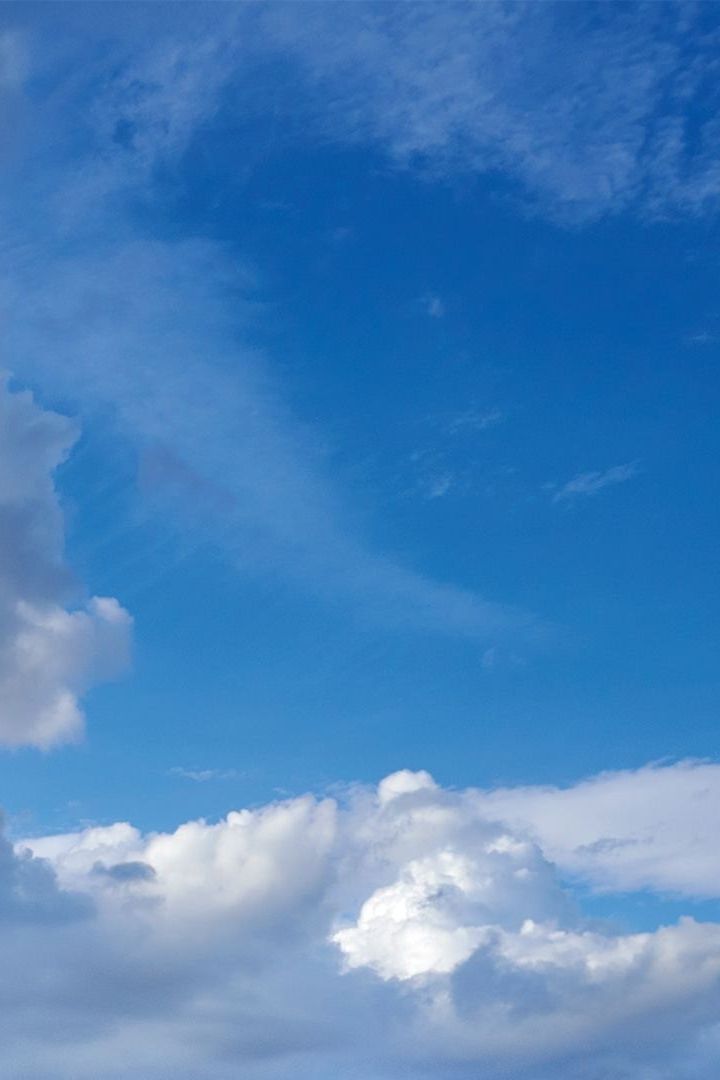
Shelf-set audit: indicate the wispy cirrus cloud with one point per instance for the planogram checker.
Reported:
(589, 110)
(590, 483)
(586, 111)
(151, 332)
(526, 91)
(145, 327)
(474, 419)
(204, 776)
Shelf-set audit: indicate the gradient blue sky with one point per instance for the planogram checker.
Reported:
(389, 335)
(443, 350)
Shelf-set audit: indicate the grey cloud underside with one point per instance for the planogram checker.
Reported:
(51, 651)
(399, 932)
(29, 892)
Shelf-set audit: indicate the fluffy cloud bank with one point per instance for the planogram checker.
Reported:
(402, 930)
(49, 654)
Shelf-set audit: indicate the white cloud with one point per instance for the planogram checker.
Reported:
(202, 776)
(404, 782)
(428, 922)
(400, 931)
(651, 828)
(589, 483)
(49, 654)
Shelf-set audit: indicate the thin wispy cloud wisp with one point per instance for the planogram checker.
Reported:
(590, 483)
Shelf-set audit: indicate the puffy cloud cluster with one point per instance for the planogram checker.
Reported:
(401, 930)
(49, 653)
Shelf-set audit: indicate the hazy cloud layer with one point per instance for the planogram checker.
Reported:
(585, 111)
(211, 426)
(588, 109)
(151, 332)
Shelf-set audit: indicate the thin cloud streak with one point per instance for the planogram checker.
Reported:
(203, 776)
(590, 483)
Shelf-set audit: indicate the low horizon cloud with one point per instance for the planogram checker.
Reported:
(397, 926)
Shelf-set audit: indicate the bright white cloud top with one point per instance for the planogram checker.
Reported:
(399, 928)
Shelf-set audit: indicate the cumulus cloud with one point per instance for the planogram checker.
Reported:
(29, 892)
(49, 653)
(650, 828)
(401, 930)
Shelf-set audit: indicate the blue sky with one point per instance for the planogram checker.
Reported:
(361, 359)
